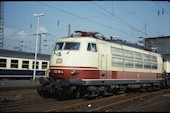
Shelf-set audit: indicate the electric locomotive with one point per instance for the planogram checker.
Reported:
(88, 65)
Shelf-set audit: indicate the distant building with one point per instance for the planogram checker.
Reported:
(159, 45)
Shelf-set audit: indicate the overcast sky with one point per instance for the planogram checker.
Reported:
(126, 20)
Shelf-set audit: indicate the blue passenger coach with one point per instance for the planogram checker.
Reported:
(20, 65)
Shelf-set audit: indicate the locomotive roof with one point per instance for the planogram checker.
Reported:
(26, 55)
(98, 35)
(117, 42)
(126, 43)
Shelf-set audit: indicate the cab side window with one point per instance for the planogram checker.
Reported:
(91, 47)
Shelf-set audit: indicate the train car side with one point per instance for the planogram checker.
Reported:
(167, 72)
(123, 63)
(20, 67)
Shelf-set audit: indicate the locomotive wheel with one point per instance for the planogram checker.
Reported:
(62, 96)
(121, 90)
(44, 93)
(142, 89)
(77, 94)
(101, 95)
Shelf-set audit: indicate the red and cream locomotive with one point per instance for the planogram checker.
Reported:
(87, 64)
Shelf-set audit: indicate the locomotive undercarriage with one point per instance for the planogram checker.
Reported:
(64, 89)
(58, 88)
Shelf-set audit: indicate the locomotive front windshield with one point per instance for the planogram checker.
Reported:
(59, 45)
(67, 46)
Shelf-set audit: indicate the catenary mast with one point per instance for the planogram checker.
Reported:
(1, 24)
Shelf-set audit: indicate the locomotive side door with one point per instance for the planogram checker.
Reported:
(102, 60)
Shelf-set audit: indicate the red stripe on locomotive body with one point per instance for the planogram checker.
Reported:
(79, 74)
(93, 73)
(138, 75)
(55, 67)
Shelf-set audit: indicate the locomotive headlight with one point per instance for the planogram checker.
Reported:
(72, 72)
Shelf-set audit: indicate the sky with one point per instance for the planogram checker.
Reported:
(126, 20)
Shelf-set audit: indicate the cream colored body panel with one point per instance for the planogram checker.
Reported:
(102, 59)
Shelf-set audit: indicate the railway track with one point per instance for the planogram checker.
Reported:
(30, 101)
(133, 103)
(124, 102)
(153, 104)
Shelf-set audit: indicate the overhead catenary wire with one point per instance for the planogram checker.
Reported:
(110, 27)
(100, 12)
(161, 7)
(139, 19)
(132, 27)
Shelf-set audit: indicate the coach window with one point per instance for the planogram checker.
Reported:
(117, 51)
(44, 65)
(147, 65)
(138, 64)
(154, 66)
(117, 61)
(2, 62)
(92, 47)
(14, 63)
(25, 64)
(146, 57)
(153, 59)
(138, 55)
(128, 53)
(37, 63)
(129, 63)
